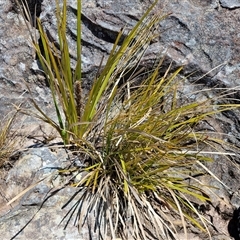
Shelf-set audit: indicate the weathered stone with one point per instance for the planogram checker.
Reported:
(206, 37)
(201, 35)
(17, 56)
(230, 3)
(31, 221)
(28, 217)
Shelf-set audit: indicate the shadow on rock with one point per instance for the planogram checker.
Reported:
(234, 225)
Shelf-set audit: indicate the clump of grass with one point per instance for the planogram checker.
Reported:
(138, 149)
(141, 160)
(7, 143)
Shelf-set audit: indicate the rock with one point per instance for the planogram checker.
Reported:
(29, 218)
(199, 34)
(35, 222)
(17, 56)
(205, 37)
(15, 59)
(231, 4)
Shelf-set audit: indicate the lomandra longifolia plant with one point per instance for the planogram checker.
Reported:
(137, 141)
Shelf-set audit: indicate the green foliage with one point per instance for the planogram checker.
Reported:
(65, 84)
(138, 140)
(7, 142)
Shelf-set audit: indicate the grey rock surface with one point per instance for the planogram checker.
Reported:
(28, 218)
(17, 56)
(230, 3)
(202, 35)
(31, 222)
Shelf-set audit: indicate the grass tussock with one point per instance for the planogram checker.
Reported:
(7, 143)
(137, 140)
